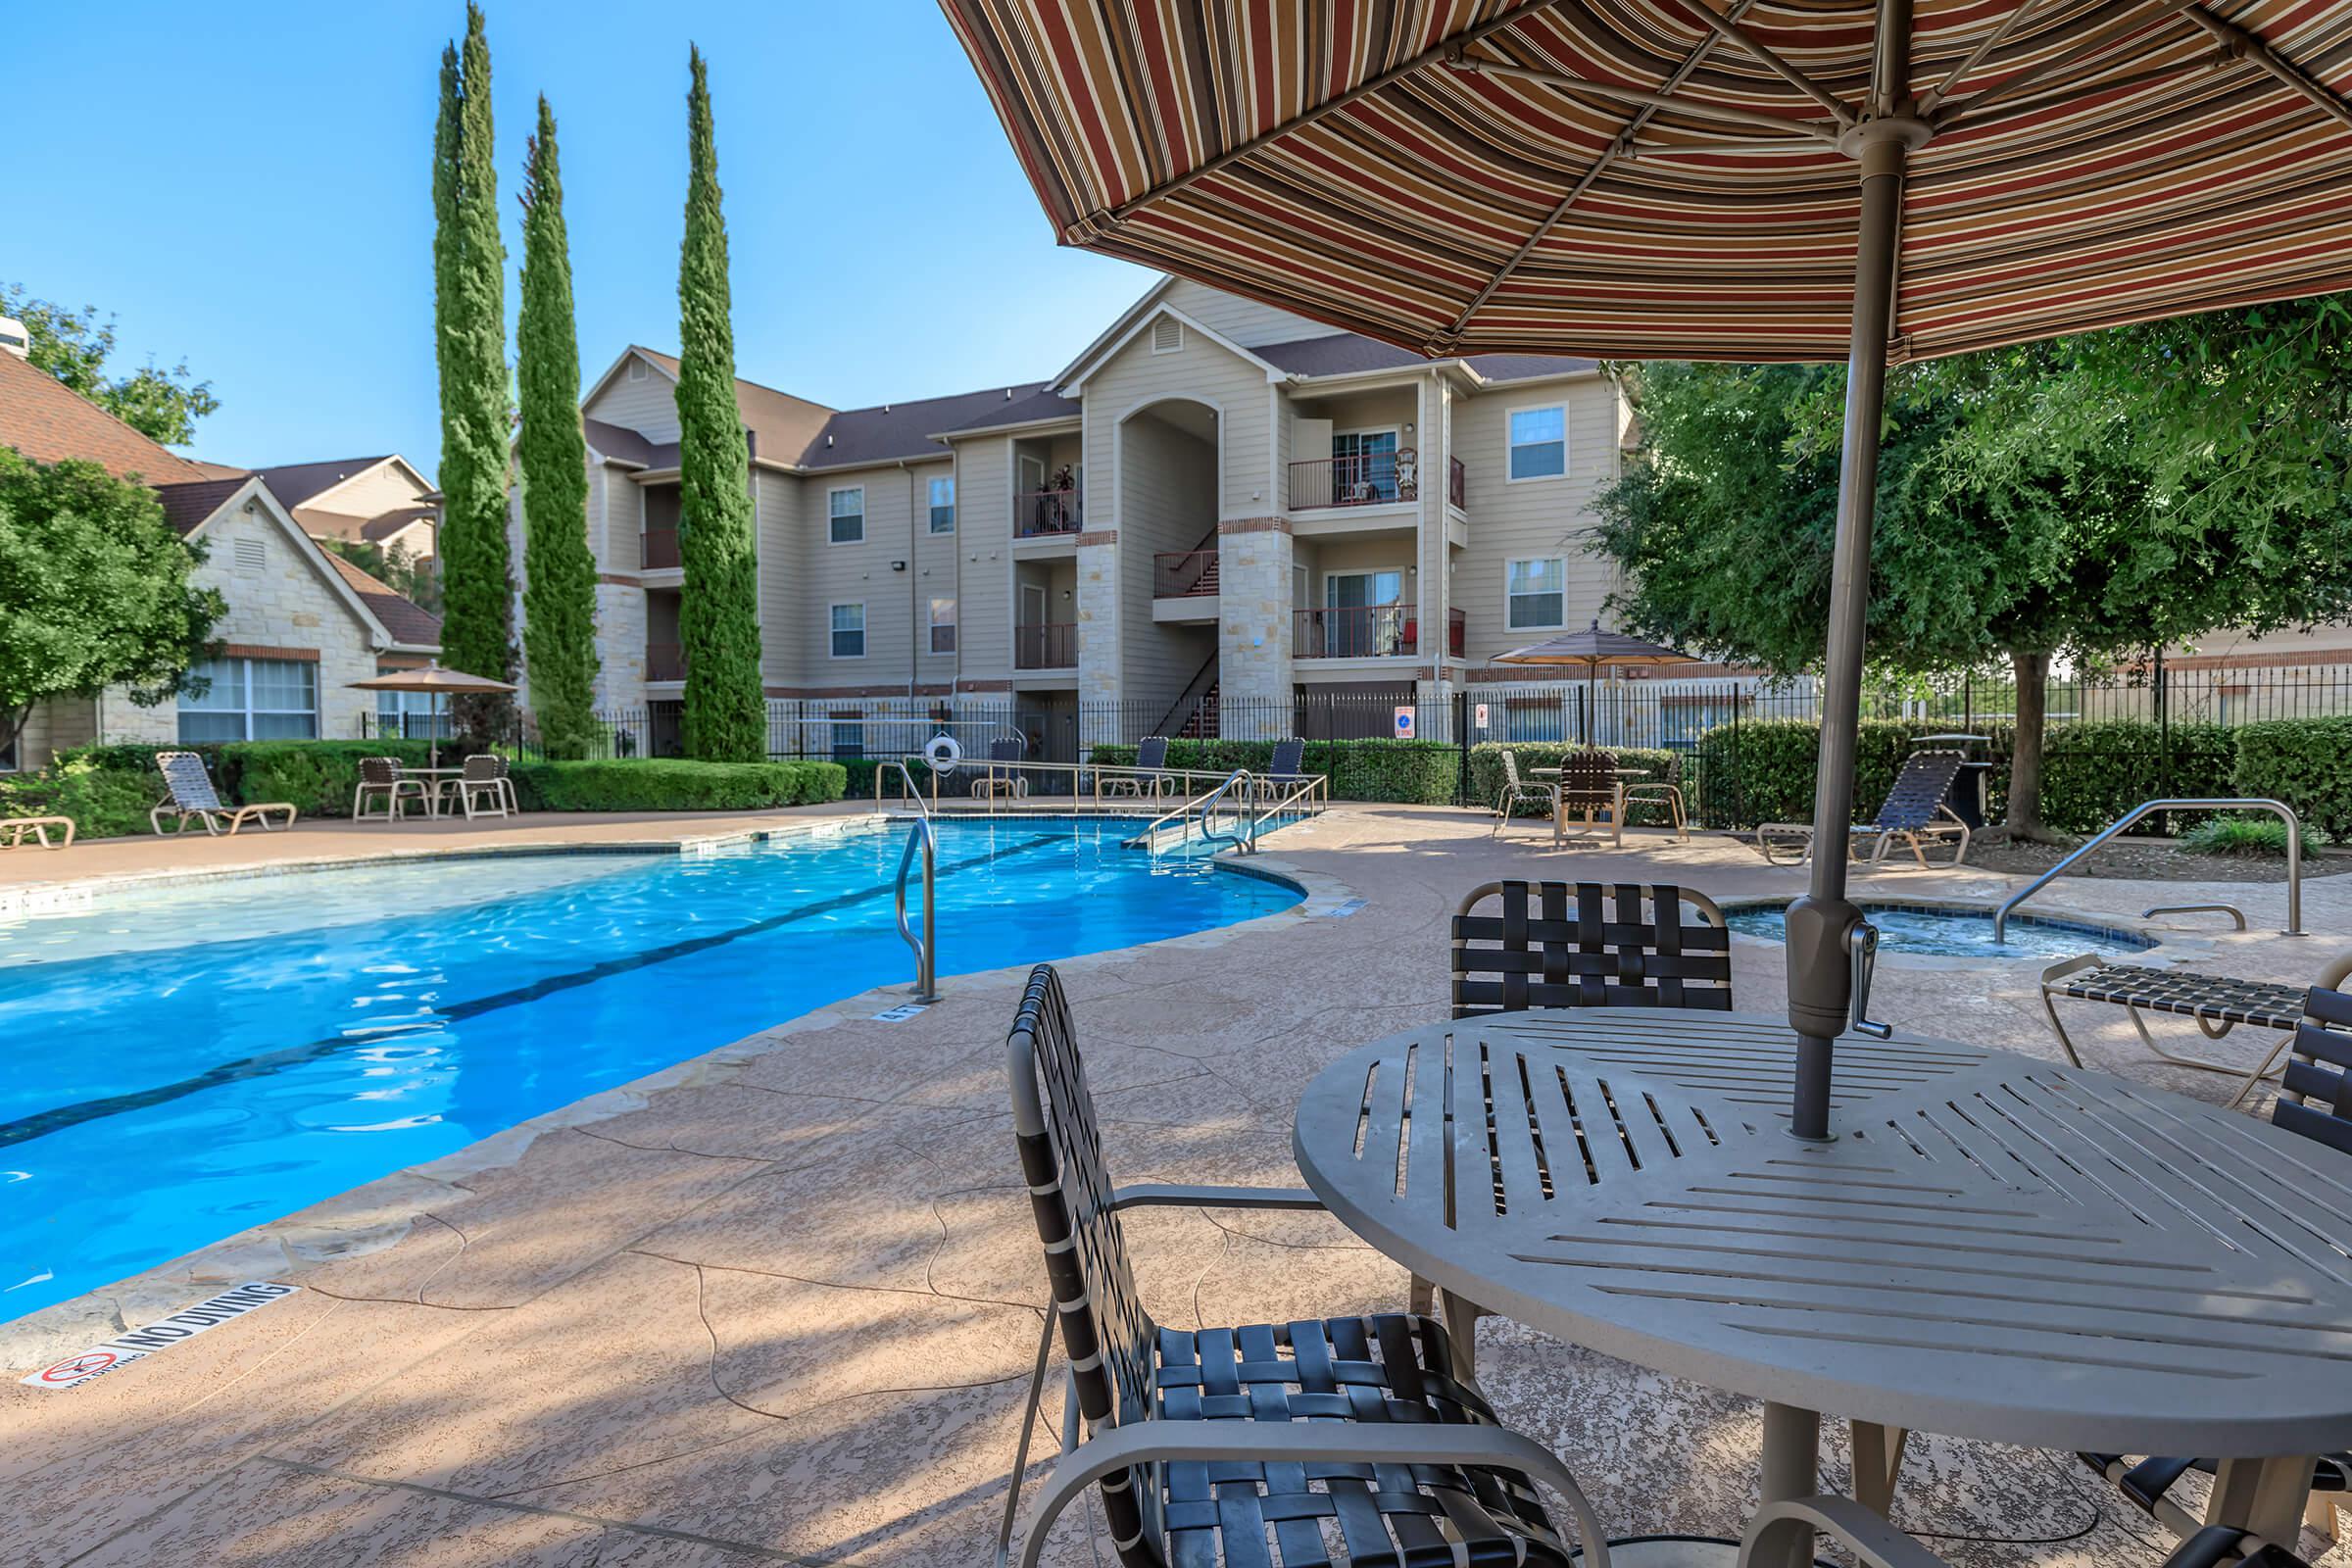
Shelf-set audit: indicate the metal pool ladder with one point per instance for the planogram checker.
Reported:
(2295, 860)
(1243, 836)
(926, 946)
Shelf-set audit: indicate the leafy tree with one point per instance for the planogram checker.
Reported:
(719, 617)
(74, 345)
(406, 575)
(1989, 547)
(478, 578)
(94, 589)
(558, 595)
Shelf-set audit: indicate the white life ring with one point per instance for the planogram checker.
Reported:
(943, 754)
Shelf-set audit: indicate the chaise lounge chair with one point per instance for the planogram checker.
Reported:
(1151, 759)
(997, 778)
(1918, 808)
(191, 794)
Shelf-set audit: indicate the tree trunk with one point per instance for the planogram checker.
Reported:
(2023, 823)
(12, 724)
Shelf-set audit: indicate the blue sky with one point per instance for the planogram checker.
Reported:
(254, 196)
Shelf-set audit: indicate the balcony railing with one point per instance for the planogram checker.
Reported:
(1457, 482)
(1364, 631)
(1037, 514)
(1184, 574)
(1457, 633)
(657, 549)
(1048, 645)
(1366, 479)
(664, 661)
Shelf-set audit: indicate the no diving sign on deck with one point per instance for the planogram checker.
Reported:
(162, 1335)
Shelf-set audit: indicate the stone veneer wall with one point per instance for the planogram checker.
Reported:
(1098, 634)
(621, 634)
(1255, 627)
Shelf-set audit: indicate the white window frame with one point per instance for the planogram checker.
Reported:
(832, 632)
(246, 712)
(831, 517)
(949, 624)
(1396, 435)
(931, 501)
(1508, 624)
(1510, 446)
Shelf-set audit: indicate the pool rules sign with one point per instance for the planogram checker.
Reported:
(161, 1335)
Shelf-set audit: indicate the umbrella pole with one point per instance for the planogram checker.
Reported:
(1820, 925)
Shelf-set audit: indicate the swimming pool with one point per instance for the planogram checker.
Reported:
(184, 1064)
(1948, 932)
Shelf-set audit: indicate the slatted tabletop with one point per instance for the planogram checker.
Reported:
(1998, 1248)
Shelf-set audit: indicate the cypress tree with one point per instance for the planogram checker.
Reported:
(719, 616)
(477, 631)
(559, 595)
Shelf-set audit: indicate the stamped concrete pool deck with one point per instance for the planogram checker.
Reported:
(778, 1303)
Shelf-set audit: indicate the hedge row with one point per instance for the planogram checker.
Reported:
(1486, 773)
(2307, 762)
(671, 784)
(1407, 773)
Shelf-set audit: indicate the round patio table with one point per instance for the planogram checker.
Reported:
(1994, 1247)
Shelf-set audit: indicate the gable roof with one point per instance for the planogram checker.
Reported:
(1137, 320)
(410, 622)
(378, 528)
(188, 504)
(1039, 405)
(1349, 354)
(48, 421)
(781, 425)
(897, 432)
(295, 483)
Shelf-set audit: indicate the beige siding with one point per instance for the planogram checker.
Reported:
(1200, 372)
(983, 548)
(783, 561)
(1533, 518)
(1168, 502)
(649, 406)
(1243, 322)
(856, 573)
(385, 487)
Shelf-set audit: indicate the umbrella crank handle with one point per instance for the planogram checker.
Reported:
(1862, 945)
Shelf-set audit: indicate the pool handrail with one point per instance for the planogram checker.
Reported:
(926, 947)
(1200, 804)
(2284, 812)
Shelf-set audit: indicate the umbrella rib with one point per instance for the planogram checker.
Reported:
(1726, 27)
(2101, 36)
(2240, 41)
(1308, 116)
(1976, 57)
(1621, 147)
(1742, 117)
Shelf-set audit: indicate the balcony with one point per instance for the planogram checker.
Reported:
(658, 550)
(1048, 645)
(1368, 479)
(1043, 513)
(664, 661)
(1184, 574)
(1364, 631)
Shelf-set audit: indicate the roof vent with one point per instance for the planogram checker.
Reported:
(885, 407)
(1167, 335)
(828, 440)
(1009, 394)
(636, 370)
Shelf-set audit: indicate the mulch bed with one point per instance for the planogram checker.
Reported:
(2149, 860)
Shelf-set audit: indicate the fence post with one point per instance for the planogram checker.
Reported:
(2164, 744)
(1461, 739)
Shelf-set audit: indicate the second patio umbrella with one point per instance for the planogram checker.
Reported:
(1675, 180)
(440, 682)
(1593, 648)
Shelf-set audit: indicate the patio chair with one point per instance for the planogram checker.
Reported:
(15, 828)
(1150, 759)
(1777, 1530)
(1589, 783)
(1515, 790)
(996, 778)
(381, 777)
(1918, 808)
(190, 793)
(486, 777)
(1578, 945)
(2315, 1101)
(1263, 1444)
(2218, 1003)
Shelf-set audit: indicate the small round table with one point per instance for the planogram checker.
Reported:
(1996, 1247)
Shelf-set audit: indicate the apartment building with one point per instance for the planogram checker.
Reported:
(1215, 509)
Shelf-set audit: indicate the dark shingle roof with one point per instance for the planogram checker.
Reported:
(48, 421)
(620, 441)
(1345, 353)
(406, 621)
(1043, 404)
(1527, 366)
(188, 504)
(294, 483)
(905, 429)
(383, 526)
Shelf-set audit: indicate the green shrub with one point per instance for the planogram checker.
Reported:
(103, 802)
(1403, 772)
(1486, 773)
(2093, 772)
(2246, 835)
(314, 777)
(2307, 762)
(1763, 771)
(673, 784)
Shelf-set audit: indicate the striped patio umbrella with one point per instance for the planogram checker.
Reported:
(1869, 180)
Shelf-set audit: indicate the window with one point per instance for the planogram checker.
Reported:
(848, 740)
(849, 632)
(1536, 593)
(252, 700)
(943, 505)
(1539, 443)
(1167, 335)
(1363, 466)
(410, 715)
(943, 625)
(847, 514)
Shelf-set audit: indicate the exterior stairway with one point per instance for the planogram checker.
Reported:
(1202, 724)
(1207, 583)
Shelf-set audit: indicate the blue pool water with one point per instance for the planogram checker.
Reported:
(191, 1062)
(1963, 933)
